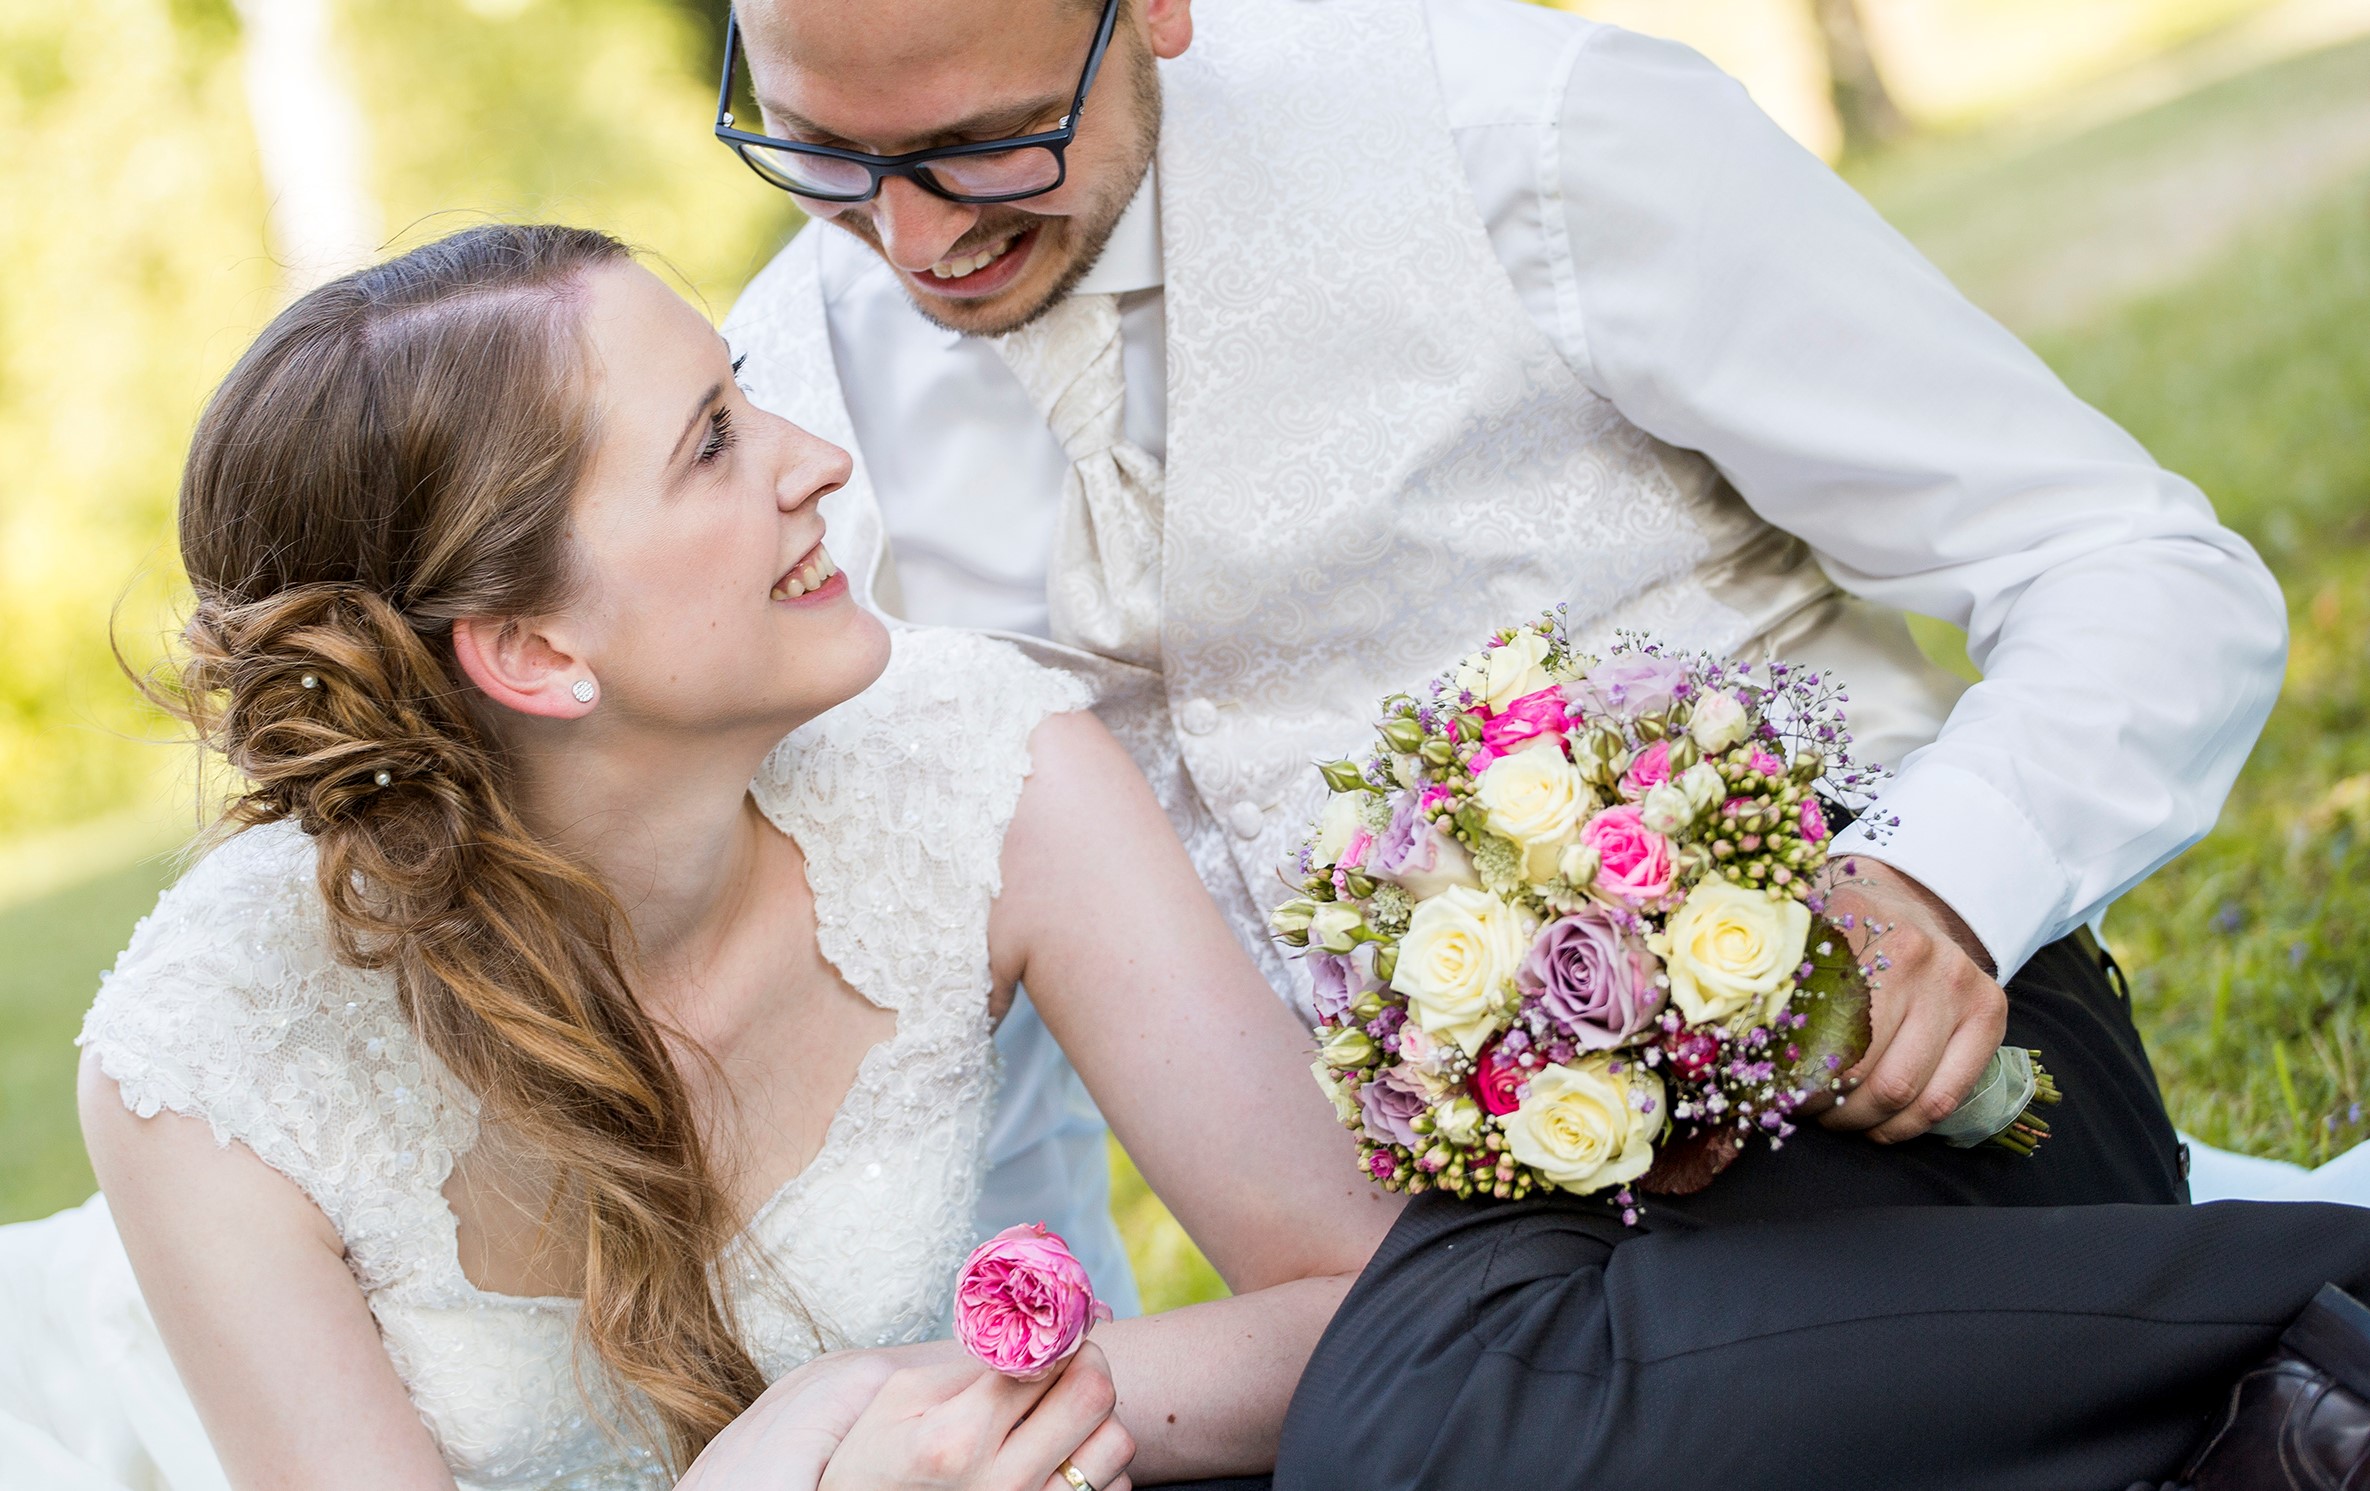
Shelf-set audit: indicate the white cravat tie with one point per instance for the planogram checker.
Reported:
(1103, 587)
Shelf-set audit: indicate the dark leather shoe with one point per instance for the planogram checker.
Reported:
(2300, 1421)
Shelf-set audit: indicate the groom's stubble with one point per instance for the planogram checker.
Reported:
(1081, 236)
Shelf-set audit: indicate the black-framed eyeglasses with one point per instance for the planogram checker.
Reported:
(982, 171)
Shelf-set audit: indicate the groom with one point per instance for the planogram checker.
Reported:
(1328, 335)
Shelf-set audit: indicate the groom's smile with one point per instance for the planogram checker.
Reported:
(890, 77)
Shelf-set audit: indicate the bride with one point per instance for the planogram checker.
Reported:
(583, 1019)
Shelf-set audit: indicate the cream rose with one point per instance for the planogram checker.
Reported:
(1460, 952)
(1703, 785)
(1336, 822)
(1345, 1107)
(1348, 1046)
(1333, 926)
(1497, 676)
(1718, 722)
(1537, 799)
(1587, 1127)
(1458, 1120)
(1730, 950)
(1666, 809)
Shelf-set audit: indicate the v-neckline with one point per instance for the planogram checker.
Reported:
(836, 1134)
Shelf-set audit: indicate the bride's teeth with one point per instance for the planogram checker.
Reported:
(807, 578)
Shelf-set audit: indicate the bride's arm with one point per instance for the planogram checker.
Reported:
(248, 1284)
(1204, 1076)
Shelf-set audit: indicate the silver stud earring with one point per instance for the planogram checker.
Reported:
(583, 690)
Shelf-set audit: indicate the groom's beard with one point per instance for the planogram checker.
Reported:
(1088, 230)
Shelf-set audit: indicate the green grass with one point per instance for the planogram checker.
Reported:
(52, 952)
(2251, 953)
(2254, 380)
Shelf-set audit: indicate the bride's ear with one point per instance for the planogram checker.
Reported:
(518, 667)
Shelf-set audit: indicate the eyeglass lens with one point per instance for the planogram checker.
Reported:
(998, 173)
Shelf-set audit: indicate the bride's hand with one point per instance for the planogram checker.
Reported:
(962, 1426)
(859, 1421)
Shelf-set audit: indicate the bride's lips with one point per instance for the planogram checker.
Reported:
(965, 277)
(813, 577)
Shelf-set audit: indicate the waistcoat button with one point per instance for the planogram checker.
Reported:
(1246, 819)
(1198, 717)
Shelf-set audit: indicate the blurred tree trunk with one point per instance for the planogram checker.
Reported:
(1870, 117)
(310, 138)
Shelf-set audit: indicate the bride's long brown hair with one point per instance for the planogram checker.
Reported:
(396, 451)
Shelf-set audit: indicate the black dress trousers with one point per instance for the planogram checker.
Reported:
(1833, 1314)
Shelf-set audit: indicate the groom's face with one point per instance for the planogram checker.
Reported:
(889, 76)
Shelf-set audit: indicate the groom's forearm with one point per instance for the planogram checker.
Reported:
(1203, 1389)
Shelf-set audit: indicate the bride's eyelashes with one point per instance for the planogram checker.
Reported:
(720, 437)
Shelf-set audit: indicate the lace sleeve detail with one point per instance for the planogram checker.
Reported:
(900, 799)
(229, 1005)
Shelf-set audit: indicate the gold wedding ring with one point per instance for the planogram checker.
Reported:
(1074, 1476)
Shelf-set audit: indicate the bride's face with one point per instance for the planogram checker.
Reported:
(706, 600)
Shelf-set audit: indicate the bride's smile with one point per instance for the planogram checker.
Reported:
(704, 604)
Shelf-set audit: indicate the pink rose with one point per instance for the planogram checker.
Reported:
(1531, 718)
(1023, 1304)
(1766, 764)
(1353, 855)
(1497, 1080)
(1814, 822)
(1650, 770)
(1633, 862)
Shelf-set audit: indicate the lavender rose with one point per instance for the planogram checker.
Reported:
(1390, 1103)
(1633, 683)
(1417, 856)
(1335, 982)
(1592, 981)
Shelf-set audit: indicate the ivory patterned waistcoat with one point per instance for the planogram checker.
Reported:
(1369, 470)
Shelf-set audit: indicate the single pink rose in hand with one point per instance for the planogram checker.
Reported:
(1023, 1304)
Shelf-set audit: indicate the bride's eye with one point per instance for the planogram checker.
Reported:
(719, 439)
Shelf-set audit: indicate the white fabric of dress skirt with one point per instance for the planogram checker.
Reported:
(89, 1400)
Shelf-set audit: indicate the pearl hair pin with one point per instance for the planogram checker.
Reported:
(583, 690)
(382, 779)
(309, 681)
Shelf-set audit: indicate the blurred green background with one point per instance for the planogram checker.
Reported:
(2170, 198)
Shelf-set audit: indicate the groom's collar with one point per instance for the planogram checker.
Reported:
(1131, 257)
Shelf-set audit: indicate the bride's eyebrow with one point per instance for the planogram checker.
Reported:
(698, 412)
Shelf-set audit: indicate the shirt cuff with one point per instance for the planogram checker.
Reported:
(1968, 843)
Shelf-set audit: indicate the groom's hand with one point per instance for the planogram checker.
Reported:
(1938, 1014)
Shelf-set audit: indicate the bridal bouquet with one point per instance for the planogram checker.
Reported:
(1566, 925)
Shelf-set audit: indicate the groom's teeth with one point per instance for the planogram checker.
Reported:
(962, 266)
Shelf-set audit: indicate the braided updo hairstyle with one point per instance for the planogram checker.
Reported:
(398, 450)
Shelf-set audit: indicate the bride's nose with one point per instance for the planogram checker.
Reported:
(813, 469)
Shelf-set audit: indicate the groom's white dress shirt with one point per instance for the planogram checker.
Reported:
(1834, 379)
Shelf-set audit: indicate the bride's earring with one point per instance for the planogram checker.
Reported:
(583, 691)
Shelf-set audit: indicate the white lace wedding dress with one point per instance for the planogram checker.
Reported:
(229, 1006)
